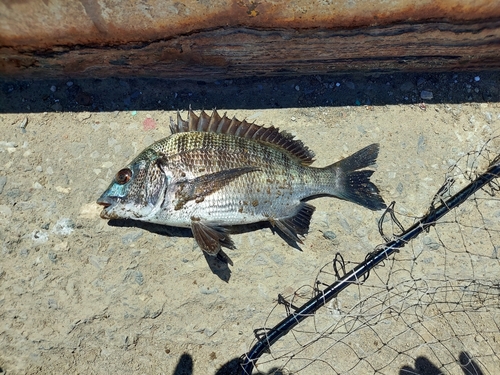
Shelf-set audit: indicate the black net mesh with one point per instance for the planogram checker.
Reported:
(431, 308)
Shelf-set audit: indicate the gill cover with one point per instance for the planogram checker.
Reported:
(135, 191)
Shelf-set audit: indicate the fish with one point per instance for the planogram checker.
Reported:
(213, 173)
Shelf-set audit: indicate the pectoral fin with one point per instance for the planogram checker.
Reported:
(210, 239)
(296, 225)
(210, 183)
(200, 187)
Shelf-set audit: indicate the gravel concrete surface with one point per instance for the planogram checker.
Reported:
(78, 295)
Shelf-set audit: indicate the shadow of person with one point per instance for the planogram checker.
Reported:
(184, 366)
(469, 366)
(233, 367)
(422, 367)
(230, 368)
(425, 367)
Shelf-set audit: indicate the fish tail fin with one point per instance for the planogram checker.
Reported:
(354, 185)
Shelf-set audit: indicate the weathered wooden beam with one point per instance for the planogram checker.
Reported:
(234, 38)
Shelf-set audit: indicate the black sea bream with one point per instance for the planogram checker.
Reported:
(214, 172)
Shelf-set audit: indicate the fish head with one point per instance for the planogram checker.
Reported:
(136, 190)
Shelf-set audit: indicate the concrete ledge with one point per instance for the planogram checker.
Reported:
(221, 39)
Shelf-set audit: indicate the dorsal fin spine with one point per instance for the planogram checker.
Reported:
(250, 131)
(192, 121)
(204, 122)
(214, 120)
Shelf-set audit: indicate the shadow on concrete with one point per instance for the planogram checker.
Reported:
(423, 366)
(113, 94)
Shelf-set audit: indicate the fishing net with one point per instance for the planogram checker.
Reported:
(431, 307)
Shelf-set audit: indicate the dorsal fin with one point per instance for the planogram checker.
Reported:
(224, 125)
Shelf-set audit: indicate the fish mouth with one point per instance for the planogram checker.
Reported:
(107, 204)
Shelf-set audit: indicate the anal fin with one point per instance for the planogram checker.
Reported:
(210, 239)
(298, 224)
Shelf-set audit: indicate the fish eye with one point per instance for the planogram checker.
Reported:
(123, 176)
